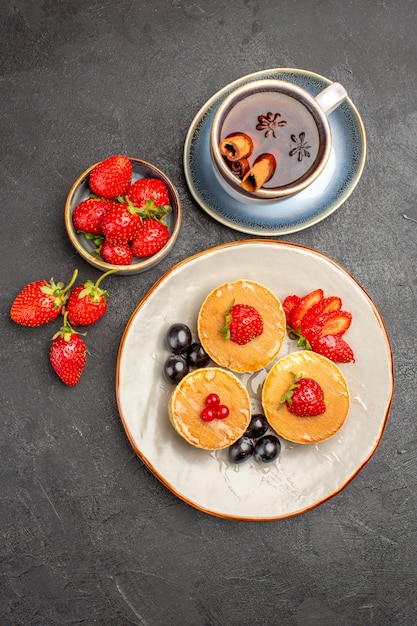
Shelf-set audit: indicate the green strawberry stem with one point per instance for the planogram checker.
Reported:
(58, 290)
(287, 397)
(302, 342)
(93, 289)
(225, 330)
(66, 330)
(150, 210)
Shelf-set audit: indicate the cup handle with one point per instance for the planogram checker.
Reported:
(330, 98)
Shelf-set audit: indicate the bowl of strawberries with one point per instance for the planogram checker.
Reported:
(123, 214)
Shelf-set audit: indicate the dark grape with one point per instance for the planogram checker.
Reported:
(178, 338)
(257, 426)
(241, 450)
(196, 356)
(267, 449)
(175, 368)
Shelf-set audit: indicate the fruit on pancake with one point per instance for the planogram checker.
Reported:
(304, 397)
(305, 428)
(188, 401)
(243, 323)
(259, 333)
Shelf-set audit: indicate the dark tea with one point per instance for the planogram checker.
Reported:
(283, 140)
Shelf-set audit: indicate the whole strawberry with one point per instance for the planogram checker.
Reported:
(88, 215)
(304, 397)
(147, 190)
(87, 303)
(68, 354)
(112, 177)
(152, 235)
(40, 302)
(116, 253)
(243, 323)
(120, 223)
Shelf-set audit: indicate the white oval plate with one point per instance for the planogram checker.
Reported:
(303, 476)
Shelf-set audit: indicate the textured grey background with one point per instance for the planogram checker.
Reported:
(88, 534)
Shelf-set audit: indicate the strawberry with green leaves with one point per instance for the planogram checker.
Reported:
(40, 302)
(243, 324)
(304, 397)
(68, 354)
(151, 237)
(112, 177)
(147, 190)
(87, 302)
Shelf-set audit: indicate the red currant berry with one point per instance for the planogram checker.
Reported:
(212, 400)
(222, 411)
(208, 414)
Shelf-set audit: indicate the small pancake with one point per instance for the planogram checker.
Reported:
(259, 352)
(336, 397)
(188, 400)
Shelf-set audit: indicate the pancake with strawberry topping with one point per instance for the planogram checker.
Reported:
(311, 422)
(241, 326)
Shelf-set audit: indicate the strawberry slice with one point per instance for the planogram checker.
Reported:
(311, 324)
(289, 304)
(334, 323)
(305, 304)
(335, 348)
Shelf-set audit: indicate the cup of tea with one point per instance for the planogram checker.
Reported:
(271, 139)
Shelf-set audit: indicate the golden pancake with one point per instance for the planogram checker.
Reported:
(188, 401)
(259, 352)
(336, 397)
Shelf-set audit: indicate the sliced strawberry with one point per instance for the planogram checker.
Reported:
(289, 304)
(303, 306)
(334, 323)
(335, 348)
(311, 324)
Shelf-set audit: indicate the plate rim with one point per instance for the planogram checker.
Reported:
(151, 467)
(259, 231)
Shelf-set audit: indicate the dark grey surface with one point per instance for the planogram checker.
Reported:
(89, 535)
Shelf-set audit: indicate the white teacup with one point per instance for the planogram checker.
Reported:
(271, 139)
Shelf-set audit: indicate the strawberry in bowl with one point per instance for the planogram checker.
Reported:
(110, 210)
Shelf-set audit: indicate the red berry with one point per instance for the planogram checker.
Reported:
(222, 411)
(120, 223)
(149, 190)
(88, 215)
(152, 235)
(40, 302)
(212, 400)
(112, 177)
(303, 306)
(116, 254)
(208, 414)
(87, 303)
(68, 354)
(335, 348)
(243, 323)
(304, 398)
